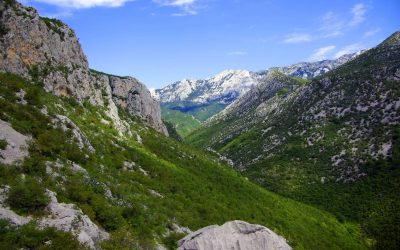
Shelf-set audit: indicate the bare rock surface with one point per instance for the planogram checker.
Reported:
(62, 216)
(67, 217)
(17, 144)
(233, 235)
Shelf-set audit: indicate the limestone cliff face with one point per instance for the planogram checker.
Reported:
(46, 50)
(129, 93)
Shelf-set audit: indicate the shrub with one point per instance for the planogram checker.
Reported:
(28, 197)
(29, 237)
(109, 217)
(3, 144)
(170, 241)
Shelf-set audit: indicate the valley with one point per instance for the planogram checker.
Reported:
(305, 156)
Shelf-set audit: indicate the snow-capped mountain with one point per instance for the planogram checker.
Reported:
(228, 85)
(222, 88)
(309, 70)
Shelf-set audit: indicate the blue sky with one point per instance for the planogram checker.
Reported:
(161, 41)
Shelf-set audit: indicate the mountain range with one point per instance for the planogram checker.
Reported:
(188, 103)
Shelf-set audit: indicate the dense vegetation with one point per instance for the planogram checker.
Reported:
(29, 237)
(172, 131)
(187, 116)
(170, 182)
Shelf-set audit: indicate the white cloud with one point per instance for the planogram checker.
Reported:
(179, 2)
(332, 25)
(187, 6)
(371, 32)
(186, 11)
(358, 11)
(298, 38)
(78, 4)
(321, 53)
(237, 53)
(349, 49)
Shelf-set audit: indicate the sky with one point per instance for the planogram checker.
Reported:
(163, 41)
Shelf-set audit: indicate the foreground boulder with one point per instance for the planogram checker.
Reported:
(233, 235)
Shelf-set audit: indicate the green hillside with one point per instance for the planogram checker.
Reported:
(188, 116)
(169, 183)
(183, 123)
(332, 143)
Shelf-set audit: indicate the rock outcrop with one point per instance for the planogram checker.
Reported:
(67, 125)
(16, 148)
(62, 216)
(70, 219)
(46, 50)
(233, 235)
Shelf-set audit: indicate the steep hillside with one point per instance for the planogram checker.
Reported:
(137, 188)
(188, 103)
(332, 142)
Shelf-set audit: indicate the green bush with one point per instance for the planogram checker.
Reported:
(3, 144)
(28, 197)
(109, 217)
(170, 241)
(29, 237)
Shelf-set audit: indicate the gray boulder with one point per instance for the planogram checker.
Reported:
(233, 235)
(17, 144)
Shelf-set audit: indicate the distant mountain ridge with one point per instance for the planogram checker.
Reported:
(188, 103)
(227, 85)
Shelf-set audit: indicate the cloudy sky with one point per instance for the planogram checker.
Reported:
(161, 41)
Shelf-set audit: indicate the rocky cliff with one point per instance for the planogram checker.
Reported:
(48, 51)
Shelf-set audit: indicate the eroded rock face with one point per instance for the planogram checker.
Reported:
(70, 219)
(48, 51)
(129, 93)
(28, 40)
(233, 235)
(62, 216)
(17, 144)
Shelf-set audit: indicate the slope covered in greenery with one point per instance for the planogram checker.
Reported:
(182, 122)
(137, 185)
(187, 116)
(332, 143)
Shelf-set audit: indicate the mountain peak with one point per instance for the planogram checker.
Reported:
(228, 72)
